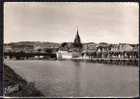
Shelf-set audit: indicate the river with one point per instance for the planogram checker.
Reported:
(78, 79)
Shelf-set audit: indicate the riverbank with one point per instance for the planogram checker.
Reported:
(16, 86)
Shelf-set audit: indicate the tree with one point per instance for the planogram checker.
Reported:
(49, 50)
(63, 44)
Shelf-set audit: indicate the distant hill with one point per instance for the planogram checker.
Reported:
(54, 44)
(33, 43)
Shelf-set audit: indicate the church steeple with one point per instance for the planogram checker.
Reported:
(77, 40)
(77, 31)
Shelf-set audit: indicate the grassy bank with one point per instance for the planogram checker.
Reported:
(16, 86)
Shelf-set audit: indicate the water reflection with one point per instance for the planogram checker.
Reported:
(77, 78)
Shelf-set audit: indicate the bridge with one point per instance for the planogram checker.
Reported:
(31, 55)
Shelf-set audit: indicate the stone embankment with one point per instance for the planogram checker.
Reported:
(116, 61)
(16, 86)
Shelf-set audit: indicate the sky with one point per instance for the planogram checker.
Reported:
(57, 22)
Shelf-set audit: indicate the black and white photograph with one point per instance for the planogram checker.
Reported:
(71, 49)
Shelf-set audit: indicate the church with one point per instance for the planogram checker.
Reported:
(69, 50)
(77, 45)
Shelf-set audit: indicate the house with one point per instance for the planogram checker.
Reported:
(135, 47)
(103, 47)
(114, 47)
(125, 47)
(89, 46)
(7, 48)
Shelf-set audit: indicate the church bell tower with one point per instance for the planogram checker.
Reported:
(77, 40)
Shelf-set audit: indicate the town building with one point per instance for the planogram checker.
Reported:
(125, 47)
